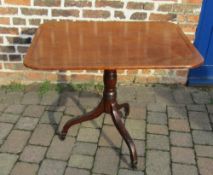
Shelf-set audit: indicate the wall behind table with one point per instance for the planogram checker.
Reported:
(19, 20)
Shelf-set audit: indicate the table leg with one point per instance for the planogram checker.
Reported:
(108, 105)
(89, 116)
(116, 117)
(126, 108)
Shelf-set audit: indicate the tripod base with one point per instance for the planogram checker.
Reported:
(108, 105)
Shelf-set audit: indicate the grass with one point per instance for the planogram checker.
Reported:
(91, 86)
(13, 87)
(99, 87)
(211, 101)
(47, 86)
(60, 87)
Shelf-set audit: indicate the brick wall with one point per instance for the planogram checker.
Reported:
(19, 20)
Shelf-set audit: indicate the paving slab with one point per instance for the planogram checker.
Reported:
(183, 155)
(156, 107)
(69, 98)
(129, 172)
(126, 93)
(3, 107)
(205, 166)
(106, 161)
(81, 161)
(137, 111)
(199, 120)
(50, 117)
(2, 94)
(15, 109)
(210, 108)
(7, 162)
(181, 139)
(202, 137)
(181, 125)
(211, 118)
(177, 112)
(88, 135)
(88, 99)
(76, 171)
(145, 97)
(52, 167)
(182, 96)
(158, 142)
(204, 151)
(195, 107)
(181, 169)
(33, 154)
(31, 98)
(164, 95)
(157, 129)
(10, 96)
(96, 123)
(108, 120)
(9, 118)
(5, 129)
(26, 123)
(158, 162)
(136, 128)
(125, 163)
(75, 110)
(42, 135)
(157, 118)
(110, 137)
(140, 147)
(84, 148)
(171, 129)
(16, 141)
(73, 130)
(34, 111)
(23, 168)
(50, 98)
(59, 149)
(55, 108)
(201, 97)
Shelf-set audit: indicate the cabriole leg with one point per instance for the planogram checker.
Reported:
(89, 116)
(116, 117)
(126, 108)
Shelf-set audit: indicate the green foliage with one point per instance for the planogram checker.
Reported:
(99, 87)
(80, 87)
(45, 87)
(86, 87)
(60, 87)
(13, 87)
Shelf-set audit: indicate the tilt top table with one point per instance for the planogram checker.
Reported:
(110, 46)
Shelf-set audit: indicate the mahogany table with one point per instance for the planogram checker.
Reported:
(110, 46)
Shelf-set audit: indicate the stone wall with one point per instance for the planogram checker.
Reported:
(19, 20)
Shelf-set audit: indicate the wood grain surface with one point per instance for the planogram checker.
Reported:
(78, 45)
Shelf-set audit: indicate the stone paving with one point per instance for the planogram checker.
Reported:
(171, 127)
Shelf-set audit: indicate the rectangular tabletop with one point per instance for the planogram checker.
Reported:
(110, 45)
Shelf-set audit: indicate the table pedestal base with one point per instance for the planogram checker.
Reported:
(108, 105)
